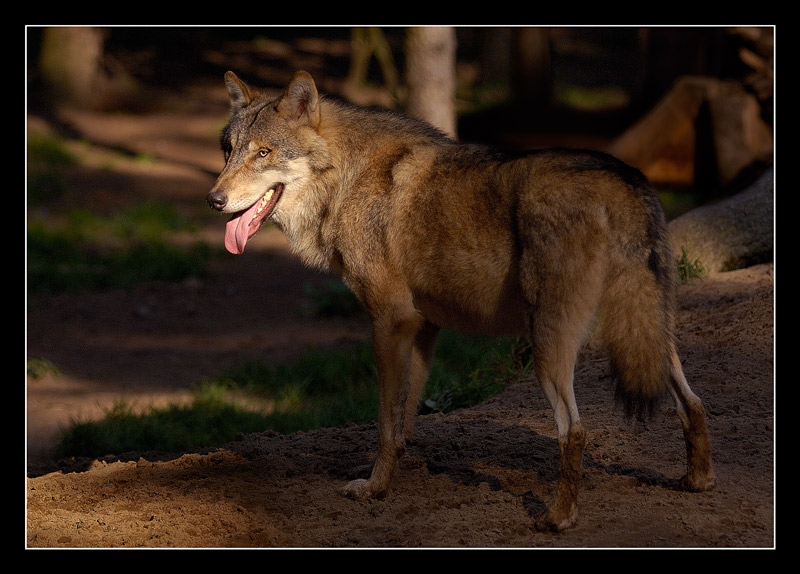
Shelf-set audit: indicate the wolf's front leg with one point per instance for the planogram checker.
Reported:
(393, 338)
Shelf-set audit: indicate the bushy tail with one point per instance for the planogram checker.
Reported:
(637, 327)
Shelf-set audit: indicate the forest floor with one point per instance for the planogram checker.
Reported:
(473, 478)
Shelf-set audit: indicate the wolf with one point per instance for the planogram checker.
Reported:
(430, 233)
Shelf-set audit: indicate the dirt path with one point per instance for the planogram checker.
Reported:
(473, 478)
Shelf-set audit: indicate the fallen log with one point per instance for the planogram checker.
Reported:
(704, 132)
(735, 232)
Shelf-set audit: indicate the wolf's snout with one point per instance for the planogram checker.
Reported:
(217, 200)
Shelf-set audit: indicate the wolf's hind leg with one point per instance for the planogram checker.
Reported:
(558, 324)
(554, 365)
(562, 282)
(699, 472)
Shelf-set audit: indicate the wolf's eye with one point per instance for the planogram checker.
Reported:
(263, 152)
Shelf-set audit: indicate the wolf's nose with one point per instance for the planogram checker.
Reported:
(217, 200)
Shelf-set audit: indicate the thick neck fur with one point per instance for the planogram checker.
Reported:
(349, 148)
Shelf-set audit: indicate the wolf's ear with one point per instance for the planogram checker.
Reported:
(240, 93)
(300, 101)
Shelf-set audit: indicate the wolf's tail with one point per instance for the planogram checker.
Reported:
(637, 323)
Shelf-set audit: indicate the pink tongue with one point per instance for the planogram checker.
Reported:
(237, 230)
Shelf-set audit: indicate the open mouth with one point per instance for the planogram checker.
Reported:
(243, 225)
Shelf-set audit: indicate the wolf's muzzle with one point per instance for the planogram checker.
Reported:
(217, 200)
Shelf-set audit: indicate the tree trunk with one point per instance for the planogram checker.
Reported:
(75, 69)
(532, 77)
(431, 76)
(70, 62)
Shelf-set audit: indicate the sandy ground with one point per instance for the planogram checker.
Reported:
(472, 478)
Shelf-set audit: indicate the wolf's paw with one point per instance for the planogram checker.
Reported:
(362, 471)
(698, 483)
(553, 521)
(361, 489)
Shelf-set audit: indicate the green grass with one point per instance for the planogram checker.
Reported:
(469, 369)
(321, 388)
(47, 159)
(87, 251)
(333, 299)
(208, 421)
(688, 269)
(676, 202)
(595, 98)
(83, 250)
(38, 367)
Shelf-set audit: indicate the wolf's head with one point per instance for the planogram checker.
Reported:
(271, 148)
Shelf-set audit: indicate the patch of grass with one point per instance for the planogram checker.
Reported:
(677, 201)
(207, 422)
(688, 269)
(38, 368)
(466, 370)
(149, 220)
(590, 98)
(47, 158)
(86, 251)
(321, 388)
(83, 250)
(469, 369)
(333, 299)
